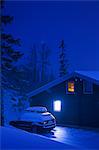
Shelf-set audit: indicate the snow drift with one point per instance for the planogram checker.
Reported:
(12, 138)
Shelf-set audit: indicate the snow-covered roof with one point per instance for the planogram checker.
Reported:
(92, 76)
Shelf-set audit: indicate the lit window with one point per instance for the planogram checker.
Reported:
(71, 87)
(57, 105)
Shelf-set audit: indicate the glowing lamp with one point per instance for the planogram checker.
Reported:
(57, 105)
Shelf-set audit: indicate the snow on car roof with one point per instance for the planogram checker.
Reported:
(37, 108)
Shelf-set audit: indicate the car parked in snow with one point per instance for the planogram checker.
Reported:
(36, 118)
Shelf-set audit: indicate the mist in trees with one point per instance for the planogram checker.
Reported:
(25, 77)
(38, 70)
(41, 66)
(39, 63)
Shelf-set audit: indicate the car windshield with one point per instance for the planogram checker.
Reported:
(36, 111)
(29, 110)
(41, 111)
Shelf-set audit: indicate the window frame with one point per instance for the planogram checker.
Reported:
(68, 92)
(84, 87)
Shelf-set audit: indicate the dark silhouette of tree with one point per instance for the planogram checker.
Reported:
(39, 66)
(63, 62)
(33, 63)
(44, 61)
(9, 54)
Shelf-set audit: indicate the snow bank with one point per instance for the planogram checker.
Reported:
(12, 139)
(14, 105)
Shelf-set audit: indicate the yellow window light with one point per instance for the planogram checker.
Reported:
(71, 86)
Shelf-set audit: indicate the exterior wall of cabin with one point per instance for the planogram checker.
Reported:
(78, 109)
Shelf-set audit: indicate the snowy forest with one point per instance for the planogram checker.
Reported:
(17, 77)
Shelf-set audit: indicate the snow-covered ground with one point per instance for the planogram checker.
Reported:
(60, 138)
(83, 139)
(16, 139)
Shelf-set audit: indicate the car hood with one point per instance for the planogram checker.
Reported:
(37, 117)
(47, 116)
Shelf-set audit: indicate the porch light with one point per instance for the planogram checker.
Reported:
(57, 105)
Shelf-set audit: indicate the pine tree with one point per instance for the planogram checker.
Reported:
(63, 62)
(9, 56)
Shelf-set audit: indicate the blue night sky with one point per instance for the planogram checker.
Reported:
(75, 22)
